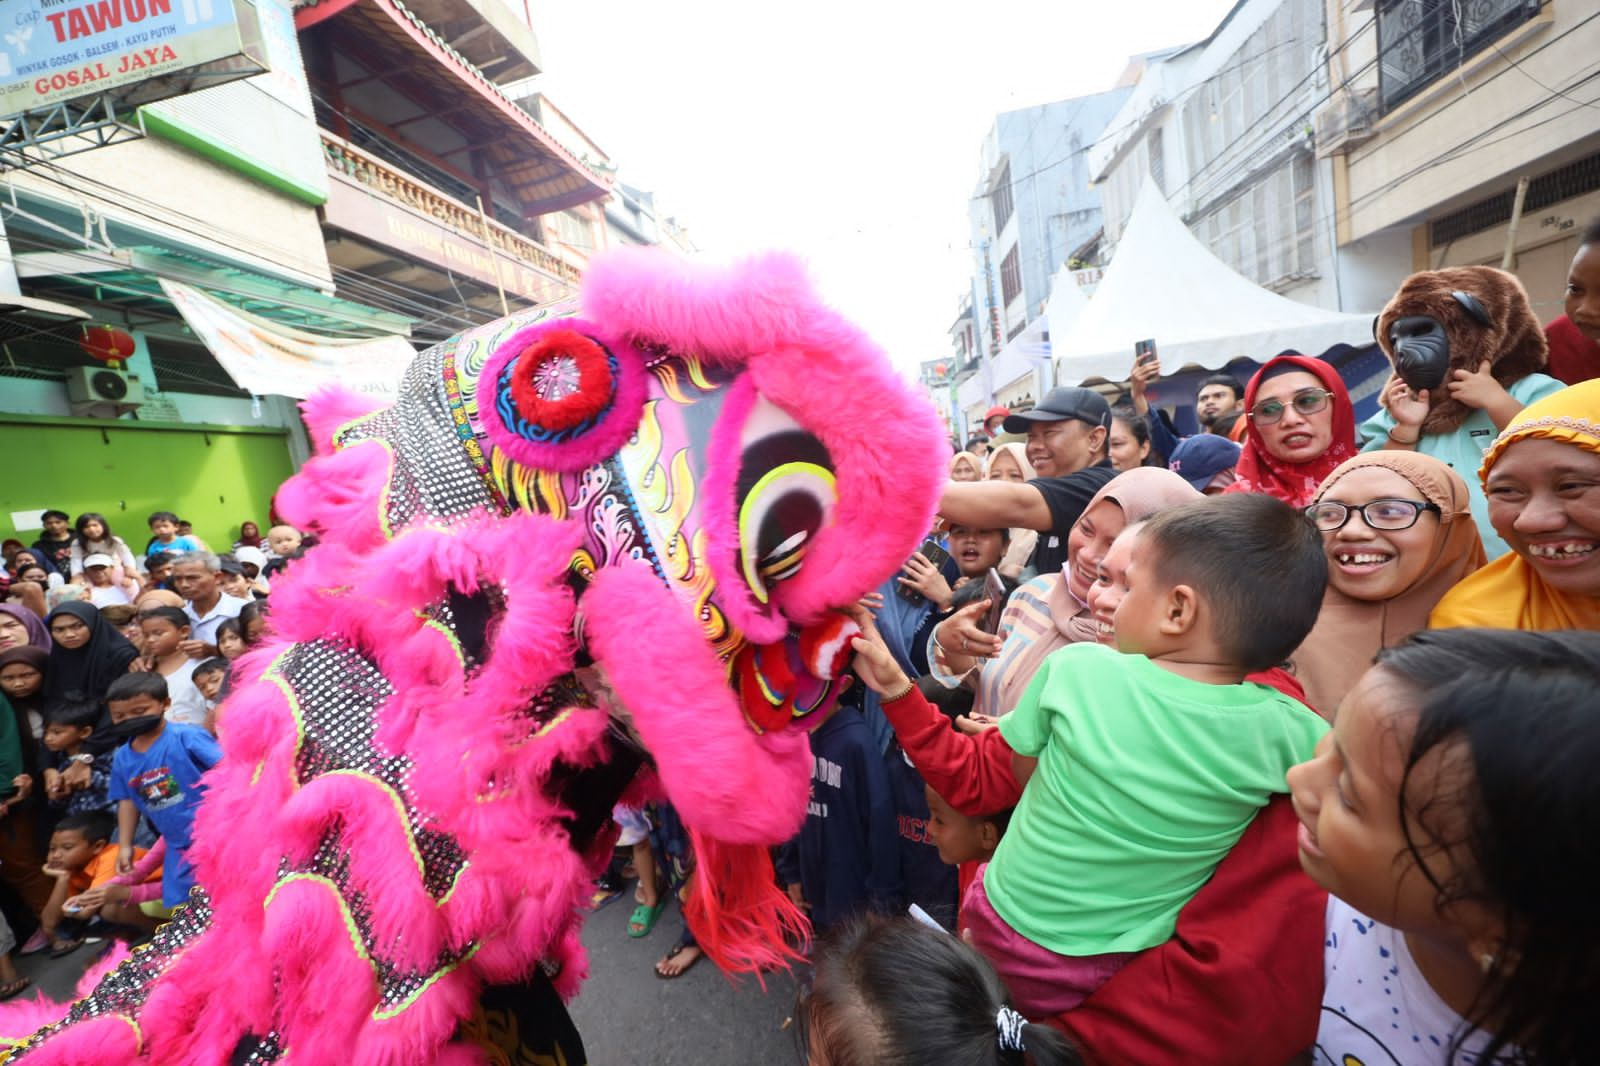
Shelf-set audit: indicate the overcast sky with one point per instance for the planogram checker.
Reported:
(846, 130)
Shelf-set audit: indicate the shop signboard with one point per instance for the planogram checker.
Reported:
(57, 50)
(269, 359)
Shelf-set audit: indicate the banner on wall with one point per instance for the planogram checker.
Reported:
(268, 359)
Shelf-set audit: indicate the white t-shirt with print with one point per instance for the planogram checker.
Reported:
(1376, 1008)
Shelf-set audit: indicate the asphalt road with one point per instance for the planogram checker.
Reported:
(628, 1016)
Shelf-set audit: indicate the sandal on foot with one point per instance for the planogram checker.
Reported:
(678, 949)
(602, 896)
(13, 989)
(644, 918)
(64, 948)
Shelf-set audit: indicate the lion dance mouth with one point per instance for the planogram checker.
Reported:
(675, 488)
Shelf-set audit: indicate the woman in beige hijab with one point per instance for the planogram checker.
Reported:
(964, 466)
(1398, 531)
(1009, 462)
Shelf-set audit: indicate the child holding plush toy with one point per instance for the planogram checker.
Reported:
(1468, 354)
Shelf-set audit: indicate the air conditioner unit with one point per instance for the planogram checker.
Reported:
(99, 386)
(1346, 122)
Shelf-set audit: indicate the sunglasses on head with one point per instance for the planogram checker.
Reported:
(1306, 402)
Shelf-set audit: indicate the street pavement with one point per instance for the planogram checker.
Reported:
(628, 1016)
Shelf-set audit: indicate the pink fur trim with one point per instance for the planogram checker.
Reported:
(342, 495)
(616, 424)
(726, 781)
(887, 446)
(885, 440)
(723, 312)
(329, 410)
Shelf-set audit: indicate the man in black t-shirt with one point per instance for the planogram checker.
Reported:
(1067, 434)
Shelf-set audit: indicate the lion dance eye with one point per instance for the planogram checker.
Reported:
(786, 492)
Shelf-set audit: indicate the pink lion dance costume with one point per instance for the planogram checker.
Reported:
(671, 492)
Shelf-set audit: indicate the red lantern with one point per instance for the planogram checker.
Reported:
(106, 344)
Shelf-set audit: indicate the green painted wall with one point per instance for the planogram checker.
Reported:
(216, 476)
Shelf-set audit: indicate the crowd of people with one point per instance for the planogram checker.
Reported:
(1281, 750)
(112, 664)
(1264, 745)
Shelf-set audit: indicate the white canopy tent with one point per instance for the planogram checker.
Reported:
(1163, 283)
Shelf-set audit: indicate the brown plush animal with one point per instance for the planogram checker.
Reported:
(1455, 319)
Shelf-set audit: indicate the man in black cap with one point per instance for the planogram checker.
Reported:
(1067, 434)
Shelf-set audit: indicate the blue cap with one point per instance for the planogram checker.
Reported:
(1200, 458)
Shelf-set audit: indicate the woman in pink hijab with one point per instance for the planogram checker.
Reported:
(1050, 611)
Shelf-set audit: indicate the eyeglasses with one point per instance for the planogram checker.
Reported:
(1306, 402)
(1330, 516)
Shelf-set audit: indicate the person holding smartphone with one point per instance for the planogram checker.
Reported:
(1220, 395)
(975, 552)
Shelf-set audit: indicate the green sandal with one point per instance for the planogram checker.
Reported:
(644, 918)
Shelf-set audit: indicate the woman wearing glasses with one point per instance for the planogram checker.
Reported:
(1398, 532)
(1542, 480)
(1301, 427)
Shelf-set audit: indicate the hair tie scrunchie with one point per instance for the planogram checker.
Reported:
(1009, 1025)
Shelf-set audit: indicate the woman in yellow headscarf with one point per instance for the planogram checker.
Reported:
(1542, 478)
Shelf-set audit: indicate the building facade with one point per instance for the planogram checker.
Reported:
(1226, 130)
(1438, 112)
(378, 181)
(1033, 208)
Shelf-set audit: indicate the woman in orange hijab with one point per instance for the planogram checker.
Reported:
(1542, 478)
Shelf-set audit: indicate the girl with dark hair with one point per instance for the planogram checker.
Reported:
(95, 537)
(896, 992)
(1129, 442)
(1449, 817)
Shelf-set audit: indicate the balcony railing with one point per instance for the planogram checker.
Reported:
(396, 185)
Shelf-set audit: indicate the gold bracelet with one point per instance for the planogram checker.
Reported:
(902, 694)
(1412, 443)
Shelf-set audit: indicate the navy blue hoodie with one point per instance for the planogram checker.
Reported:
(847, 856)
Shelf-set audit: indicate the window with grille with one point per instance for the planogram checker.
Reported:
(1419, 41)
(1158, 159)
(1267, 232)
(1010, 277)
(1305, 213)
(1000, 200)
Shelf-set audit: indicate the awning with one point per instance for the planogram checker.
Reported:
(131, 278)
(268, 359)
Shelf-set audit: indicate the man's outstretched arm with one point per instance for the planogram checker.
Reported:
(995, 505)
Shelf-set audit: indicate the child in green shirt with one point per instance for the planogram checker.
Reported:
(1145, 765)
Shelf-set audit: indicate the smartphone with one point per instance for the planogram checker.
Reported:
(933, 552)
(1144, 352)
(994, 590)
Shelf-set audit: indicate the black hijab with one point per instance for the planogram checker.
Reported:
(83, 674)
